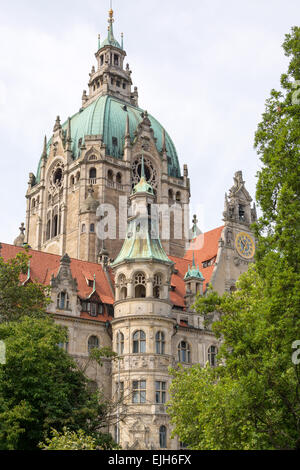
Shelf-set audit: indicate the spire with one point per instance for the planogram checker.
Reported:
(122, 40)
(127, 126)
(57, 125)
(194, 271)
(44, 154)
(99, 42)
(143, 168)
(164, 149)
(111, 21)
(143, 186)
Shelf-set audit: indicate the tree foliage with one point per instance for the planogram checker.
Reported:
(251, 400)
(18, 299)
(69, 440)
(41, 387)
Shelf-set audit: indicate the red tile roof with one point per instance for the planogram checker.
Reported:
(43, 265)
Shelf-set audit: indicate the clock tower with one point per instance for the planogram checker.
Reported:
(237, 242)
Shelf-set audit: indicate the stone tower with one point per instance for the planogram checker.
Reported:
(94, 159)
(237, 244)
(143, 328)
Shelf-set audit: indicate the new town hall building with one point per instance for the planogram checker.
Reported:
(132, 293)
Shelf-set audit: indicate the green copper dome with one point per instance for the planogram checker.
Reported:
(106, 116)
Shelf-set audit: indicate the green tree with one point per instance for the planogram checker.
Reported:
(69, 440)
(18, 299)
(251, 400)
(41, 387)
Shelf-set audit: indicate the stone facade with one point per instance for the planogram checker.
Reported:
(139, 305)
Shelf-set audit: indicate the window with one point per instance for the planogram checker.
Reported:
(92, 228)
(93, 343)
(77, 176)
(93, 173)
(139, 342)
(55, 230)
(178, 196)
(212, 356)
(241, 213)
(72, 181)
(101, 59)
(139, 391)
(110, 176)
(184, 353)
(57, 176)
(48, 230)
(140, 285)
(160, 342)
(33, 203)
(163, 437)
(170, 195)
(120, 389)
(115, 140)
(160, 392)
(157, 286)
(118, 83)
(83, 228)
(119, 178)
(124, 86)
(116, 59)
(94, 310)
(120, 343)
(63, 301)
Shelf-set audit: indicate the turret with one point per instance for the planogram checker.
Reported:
(193, 283)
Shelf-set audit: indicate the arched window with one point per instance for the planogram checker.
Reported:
(63, 302)
(110, 176)
(163, 437)
(92, 228)
(119, 178)
(55, 226)
(120, 343)
(72, 181)
(83, 228)
(184, 353)
(170, 195)
(48, 227)
(93, 343)
(160, 343)
(139, 342)
(157, 286)
(140, 285)
(77, 176)
(178, 196)
(93, 173)
(212, 356)
(123, 287)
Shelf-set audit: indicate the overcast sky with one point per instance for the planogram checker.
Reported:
(203, 68)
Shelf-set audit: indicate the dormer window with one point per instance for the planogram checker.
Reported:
(92, 308)
(63, 302)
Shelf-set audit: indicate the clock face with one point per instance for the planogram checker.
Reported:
(245, 245)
